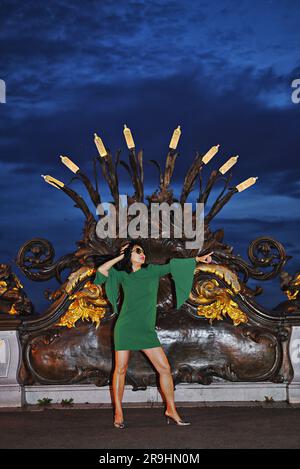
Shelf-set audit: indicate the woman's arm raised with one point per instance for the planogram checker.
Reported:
(104, 268)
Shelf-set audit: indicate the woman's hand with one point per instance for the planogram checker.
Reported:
(122, 249)
(206, 258)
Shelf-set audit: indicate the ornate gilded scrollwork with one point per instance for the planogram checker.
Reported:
(88, 304)
(13, 299)
(215, 301)
(290, 285)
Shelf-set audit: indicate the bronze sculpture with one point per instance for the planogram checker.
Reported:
(230, 336)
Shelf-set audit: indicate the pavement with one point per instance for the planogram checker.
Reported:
(225, 426)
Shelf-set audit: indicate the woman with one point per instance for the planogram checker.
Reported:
(135, 326)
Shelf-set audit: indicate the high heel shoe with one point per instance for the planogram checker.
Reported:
(119, 425)
(178, 422)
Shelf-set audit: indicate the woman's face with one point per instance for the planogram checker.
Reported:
(137, 254)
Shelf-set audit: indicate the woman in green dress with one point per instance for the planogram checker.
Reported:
(135, 326)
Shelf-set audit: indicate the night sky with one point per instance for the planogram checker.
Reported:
(222, 70)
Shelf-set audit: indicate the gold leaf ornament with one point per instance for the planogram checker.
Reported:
(89, 304)
(215, 302)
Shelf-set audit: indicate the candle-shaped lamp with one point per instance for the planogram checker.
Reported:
(210, 154)
(128, 138)
(229, 163)
(100, 146)
(69, 164)
(175, 138)
(247, 183)
(54, 182)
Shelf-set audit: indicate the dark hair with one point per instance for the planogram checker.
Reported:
(125, 263)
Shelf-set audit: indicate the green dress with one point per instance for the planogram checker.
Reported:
(135, 326)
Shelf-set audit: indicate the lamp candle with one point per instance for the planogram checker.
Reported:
(100, 146)
(229, 163)
(54, 182)
(128, 138)
(69, 164)
(175, 138)
(247, 183)
(210, 154)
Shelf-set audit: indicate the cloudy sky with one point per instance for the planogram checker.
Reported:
(222, 70)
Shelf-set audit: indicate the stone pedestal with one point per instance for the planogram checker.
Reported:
(294, 386)
(10, 391)
(14, 395)
(218, 392)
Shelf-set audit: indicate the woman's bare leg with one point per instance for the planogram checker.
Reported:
(158, 358)
(118, 382)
